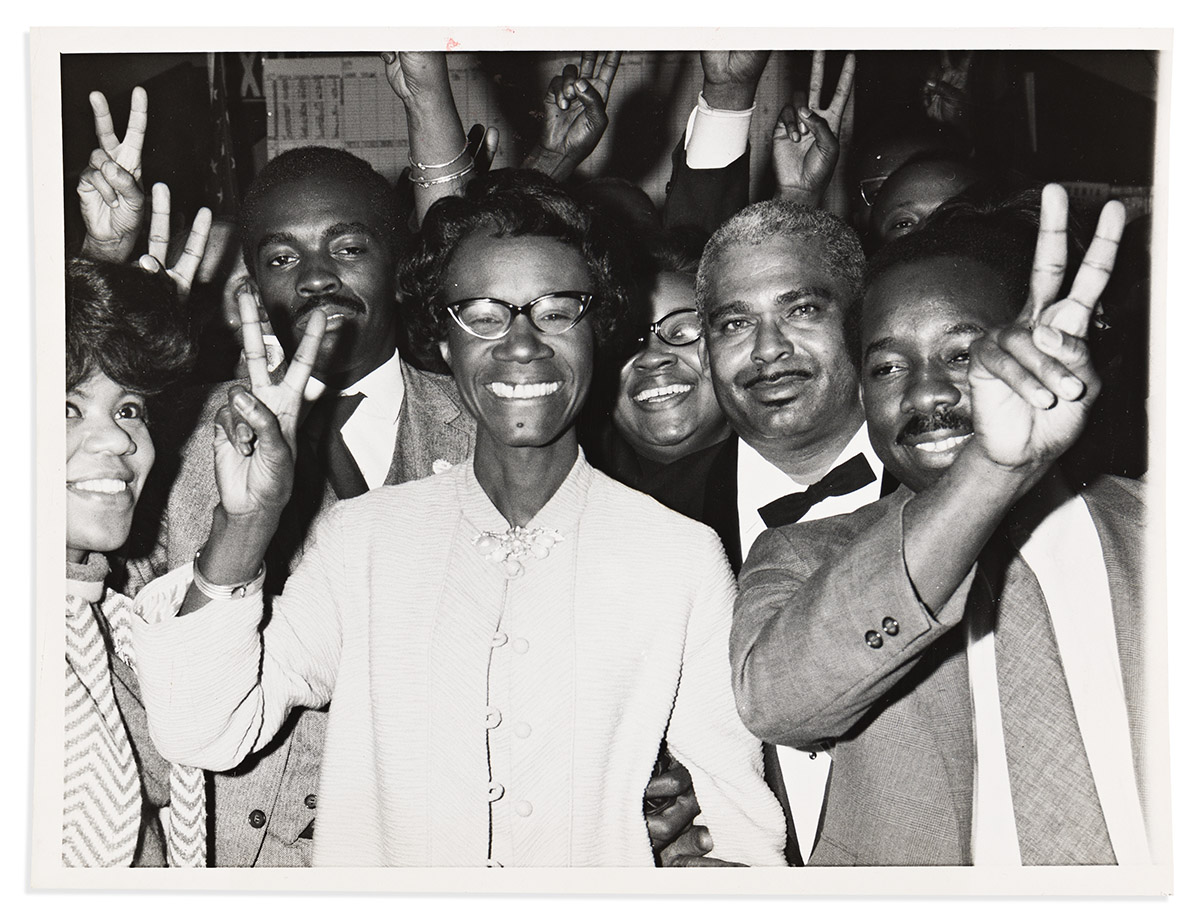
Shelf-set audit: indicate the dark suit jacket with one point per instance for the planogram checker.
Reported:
(901, 786)
(280, 783)
(705, 198)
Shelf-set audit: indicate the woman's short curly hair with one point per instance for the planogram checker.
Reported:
(127, 324)
(507, 203)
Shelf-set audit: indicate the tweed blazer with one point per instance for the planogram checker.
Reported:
(901, 786)
(263, 808)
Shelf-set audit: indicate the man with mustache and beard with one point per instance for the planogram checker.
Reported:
(971, 643)
(774, 287)
(319, 230)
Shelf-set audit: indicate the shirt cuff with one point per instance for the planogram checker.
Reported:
(715, 137)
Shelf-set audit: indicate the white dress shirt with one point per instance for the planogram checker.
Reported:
(715, 137)
(1065, 555)
(370, 433)
(805, 772)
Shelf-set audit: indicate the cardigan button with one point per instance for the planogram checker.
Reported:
(493, 717)
(499, 639)
(522, 730)
(520, 645)
(258, 819)
(874, 639)
(495, 791)
(891, 626)
(524, 808)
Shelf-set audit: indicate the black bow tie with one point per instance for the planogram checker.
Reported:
(848, 477)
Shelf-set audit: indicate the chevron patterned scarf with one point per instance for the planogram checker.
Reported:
(102, 803)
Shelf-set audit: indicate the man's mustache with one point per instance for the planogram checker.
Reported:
(336, 300)
(954, 419)
(774, 376)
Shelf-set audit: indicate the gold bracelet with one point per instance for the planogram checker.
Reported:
(429, 183)
(449, 162)
(220, 592)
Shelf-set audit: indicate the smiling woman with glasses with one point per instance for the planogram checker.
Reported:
(503, 646)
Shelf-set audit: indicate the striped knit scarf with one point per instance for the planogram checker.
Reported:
(103, 797)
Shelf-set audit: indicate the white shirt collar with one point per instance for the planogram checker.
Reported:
(383, 387)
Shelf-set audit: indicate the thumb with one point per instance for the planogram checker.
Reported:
(593, 104)
(824, 138)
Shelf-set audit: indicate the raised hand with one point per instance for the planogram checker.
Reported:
(731, 77)
(945, 95)
(574, 114)
(805, 142)
(111, 198)
(254, 446)
(1033, 382)
(183, 271)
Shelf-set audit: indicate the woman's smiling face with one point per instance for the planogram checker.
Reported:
(109, 455)
(526, 388)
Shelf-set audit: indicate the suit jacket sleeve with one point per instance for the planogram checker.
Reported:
(705, 197)
(706, 735)
(217, 685)
(803, 668)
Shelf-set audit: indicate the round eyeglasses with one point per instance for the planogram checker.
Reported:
(551, 314)
(683, 326)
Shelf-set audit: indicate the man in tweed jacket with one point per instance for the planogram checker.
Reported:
(971, 645)
(319, 232)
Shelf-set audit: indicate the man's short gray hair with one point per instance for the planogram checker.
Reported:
(769, 219)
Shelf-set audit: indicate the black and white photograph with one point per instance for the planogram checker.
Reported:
(742, 448)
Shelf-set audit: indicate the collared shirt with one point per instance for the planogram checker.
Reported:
(371, 432)
(805, 772)
(1064, 553)
(715, 137)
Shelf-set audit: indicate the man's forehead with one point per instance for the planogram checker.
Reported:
(323, 203)
(944, 291)
(775, 257)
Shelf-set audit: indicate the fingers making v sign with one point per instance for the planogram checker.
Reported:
(1033, 382)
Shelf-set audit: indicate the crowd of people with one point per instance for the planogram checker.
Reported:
(542, 526)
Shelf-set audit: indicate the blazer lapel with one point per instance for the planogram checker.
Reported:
(433, 426)
(1120, 523)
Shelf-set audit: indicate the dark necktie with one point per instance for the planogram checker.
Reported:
(843, 479)
(344, 474)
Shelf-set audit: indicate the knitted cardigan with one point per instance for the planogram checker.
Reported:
(477, 718)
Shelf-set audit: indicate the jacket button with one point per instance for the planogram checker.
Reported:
(874, 639)
(310, 801)
(891, 626)
(258, 819)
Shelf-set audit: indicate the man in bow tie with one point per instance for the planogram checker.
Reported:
(971, 643)
(774, 287)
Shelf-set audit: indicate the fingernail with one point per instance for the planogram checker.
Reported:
(1071, 387)
(1046, 336)
(581, 85)
(1045, 399)
(805, 112)
(244, 402)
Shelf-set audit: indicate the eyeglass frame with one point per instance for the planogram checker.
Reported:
(655, 326)
(514, 311)
(862, 191)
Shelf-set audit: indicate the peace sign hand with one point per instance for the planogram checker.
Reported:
(574, 111)
(111, 197)
(254, 446)
(183, 272)
(805, 142)
(1033, 383)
